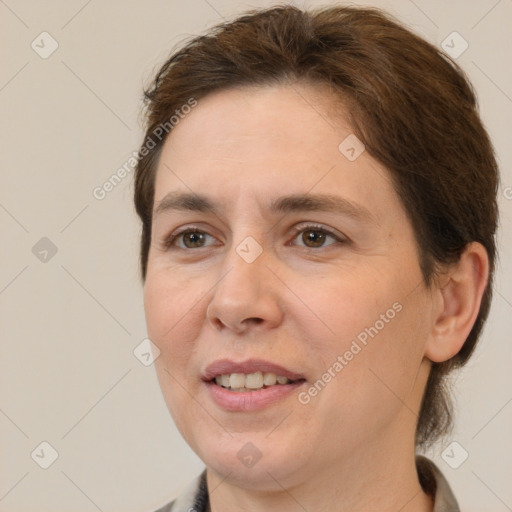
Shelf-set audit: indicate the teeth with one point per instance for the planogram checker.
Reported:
(254, 380)
(269, 379)
(245, 382)
(237, 380)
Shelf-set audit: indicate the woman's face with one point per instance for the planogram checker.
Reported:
(281, 251)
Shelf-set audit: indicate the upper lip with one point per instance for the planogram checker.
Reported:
(227, 366)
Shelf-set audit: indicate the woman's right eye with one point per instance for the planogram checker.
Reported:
(190, 239)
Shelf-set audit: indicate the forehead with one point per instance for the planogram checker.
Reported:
(263, 142)
(252, 119)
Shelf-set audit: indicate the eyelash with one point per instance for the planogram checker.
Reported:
(169, 243)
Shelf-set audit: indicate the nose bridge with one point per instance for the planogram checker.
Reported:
(246, 291)
(244, 270)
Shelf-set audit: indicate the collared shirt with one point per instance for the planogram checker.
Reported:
(195, 497)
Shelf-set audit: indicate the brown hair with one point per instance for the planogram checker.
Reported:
(411, 106)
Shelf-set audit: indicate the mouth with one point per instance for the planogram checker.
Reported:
(250, 384)
(244, 382)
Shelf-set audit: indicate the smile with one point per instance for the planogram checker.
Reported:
(241, 382)
(249, 385)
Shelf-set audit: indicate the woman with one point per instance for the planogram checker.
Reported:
(318, 203)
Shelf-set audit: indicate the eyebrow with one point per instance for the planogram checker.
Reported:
(176, 201)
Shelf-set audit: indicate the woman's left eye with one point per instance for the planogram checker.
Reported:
(313, 237)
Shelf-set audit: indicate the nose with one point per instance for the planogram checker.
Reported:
(247, 296)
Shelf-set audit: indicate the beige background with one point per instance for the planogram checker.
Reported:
(69, 325)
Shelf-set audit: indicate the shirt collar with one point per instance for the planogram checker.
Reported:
(435, 484)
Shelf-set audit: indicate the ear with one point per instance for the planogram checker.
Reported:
(459, 290)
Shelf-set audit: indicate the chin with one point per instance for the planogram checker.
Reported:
(251, 460)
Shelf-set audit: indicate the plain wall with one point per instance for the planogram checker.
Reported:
(70, 321)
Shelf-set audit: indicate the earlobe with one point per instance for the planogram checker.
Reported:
(460, 294)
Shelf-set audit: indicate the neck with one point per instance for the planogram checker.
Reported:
(384, 480)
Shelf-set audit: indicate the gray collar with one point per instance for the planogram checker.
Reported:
(435, 484)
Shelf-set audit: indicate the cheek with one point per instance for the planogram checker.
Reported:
(381, 360)
(344, 305)
(173, 324)
(172, 316)
(369, 330)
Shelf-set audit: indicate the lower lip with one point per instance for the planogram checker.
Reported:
(251, 400)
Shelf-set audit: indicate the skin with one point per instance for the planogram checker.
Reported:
(351, 447)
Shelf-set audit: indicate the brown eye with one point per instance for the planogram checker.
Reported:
(193, 239)
(189, 239)
(316, 237)
(313, 238)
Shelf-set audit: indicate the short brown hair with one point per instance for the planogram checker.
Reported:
(412, 107)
